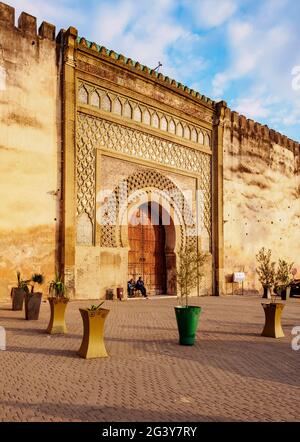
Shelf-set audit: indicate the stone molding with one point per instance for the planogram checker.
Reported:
(128, 108)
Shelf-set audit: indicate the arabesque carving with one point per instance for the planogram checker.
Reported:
(93, 133)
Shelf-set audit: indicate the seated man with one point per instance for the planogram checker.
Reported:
(130, 287)
(140, 286)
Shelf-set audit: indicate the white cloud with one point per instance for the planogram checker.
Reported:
(258, 41)
(56, 11)
(253, 107)
(213, 13)
(141, 32)
(263, 48)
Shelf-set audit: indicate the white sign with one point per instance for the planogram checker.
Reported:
(2, 338)
(239, 277)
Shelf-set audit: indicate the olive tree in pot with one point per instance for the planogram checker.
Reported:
(273, 310)
(188, 276)
(266, 271)
(18, 293)
(33, 299)
(283, 279)
(58, 302)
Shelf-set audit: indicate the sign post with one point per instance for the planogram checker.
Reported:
(239, 277)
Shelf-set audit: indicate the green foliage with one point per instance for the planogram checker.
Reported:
(189, 271)
(283, 277)
(266, 269)
(276, 280)
(22, 283)
(37, 278)
(95, 307)
(57, 287)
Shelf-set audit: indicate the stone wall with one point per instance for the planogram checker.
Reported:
(29, 148)
(128, 106)
(261, 197)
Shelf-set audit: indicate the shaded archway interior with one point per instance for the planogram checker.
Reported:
(151, 236)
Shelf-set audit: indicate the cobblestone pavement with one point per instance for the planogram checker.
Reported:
(230, 374)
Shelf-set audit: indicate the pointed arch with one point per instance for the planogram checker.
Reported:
(106, 103)
(194, 135)
(172, 128)
(127, 110)
(95, 99)
(179, 130)
(117, 106)
(137, 114)
(155, 120)
(83, 95)
(146, 117)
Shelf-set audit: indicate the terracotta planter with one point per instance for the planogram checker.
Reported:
(273, 328)
(17, 296)
(92, 345)
(32, 305)
(57, 322)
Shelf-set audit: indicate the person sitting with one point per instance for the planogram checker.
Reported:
(131, 287)
(141, 286)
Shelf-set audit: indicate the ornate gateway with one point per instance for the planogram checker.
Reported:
(134, 140)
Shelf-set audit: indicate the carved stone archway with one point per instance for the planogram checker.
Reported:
(136, 189)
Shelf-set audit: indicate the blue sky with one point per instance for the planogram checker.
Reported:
(246, 52)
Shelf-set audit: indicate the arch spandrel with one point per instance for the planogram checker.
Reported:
(141, 187)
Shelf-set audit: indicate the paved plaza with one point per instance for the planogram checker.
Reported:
(230, 374)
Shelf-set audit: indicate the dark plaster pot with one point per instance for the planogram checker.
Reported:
(32, 305)
(17, 295)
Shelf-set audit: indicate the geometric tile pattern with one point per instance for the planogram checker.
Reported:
(145, 181)
(128, 108)
(93, 133)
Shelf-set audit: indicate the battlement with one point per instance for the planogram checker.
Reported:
(27, 24)
(249, 128)
(145, 70)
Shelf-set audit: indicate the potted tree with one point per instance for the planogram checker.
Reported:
(58, 302)
(283, 279)
(188, 275)
(273, 310)
(33, 299)
(18, 293)
(92, 345)
(265, 271)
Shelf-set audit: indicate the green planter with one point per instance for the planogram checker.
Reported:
(187, 322)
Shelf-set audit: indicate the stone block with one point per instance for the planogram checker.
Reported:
(7, 15)
(46, 30)
(27, 24)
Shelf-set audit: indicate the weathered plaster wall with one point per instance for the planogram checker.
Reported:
(261, 197)
(29, 148)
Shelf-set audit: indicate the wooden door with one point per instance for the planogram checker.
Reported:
(147, 251)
